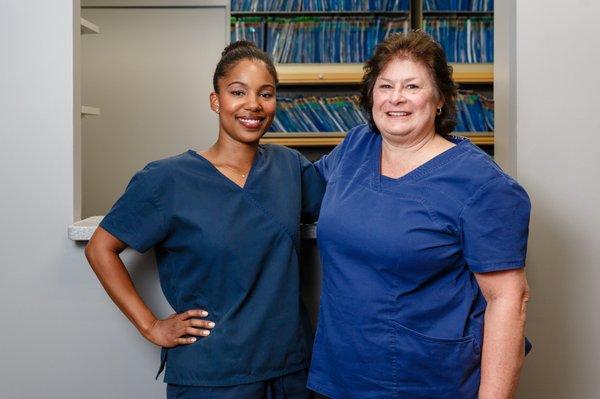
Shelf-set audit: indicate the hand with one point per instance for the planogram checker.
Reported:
(177, 328)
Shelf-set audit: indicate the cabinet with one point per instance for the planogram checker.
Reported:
(87, 27)
(471, 21)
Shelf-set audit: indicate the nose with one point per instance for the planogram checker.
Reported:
(253, 104)
(397, 96)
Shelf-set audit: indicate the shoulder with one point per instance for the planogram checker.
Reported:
(359, 136)
(162, 171)
(278, 154)
(481, 173)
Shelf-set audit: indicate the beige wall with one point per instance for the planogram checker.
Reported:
(554, 89)
(150, 72)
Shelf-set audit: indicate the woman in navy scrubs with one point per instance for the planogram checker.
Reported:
(423, 241)
(225, 227)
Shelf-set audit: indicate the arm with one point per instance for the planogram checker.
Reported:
(506, 293)
(102, 253)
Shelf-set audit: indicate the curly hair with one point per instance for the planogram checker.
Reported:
(416, 46)
(236, 52)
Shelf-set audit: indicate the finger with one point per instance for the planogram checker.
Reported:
(201, 323)
(193, 313)
(197, 331)
(185, 341)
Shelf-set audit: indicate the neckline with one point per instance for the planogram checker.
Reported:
(424, 168)
(216, 171)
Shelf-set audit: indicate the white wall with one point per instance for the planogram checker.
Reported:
(558, 161)
(60, 336)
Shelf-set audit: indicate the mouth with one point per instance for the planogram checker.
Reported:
(398, 113)
(251, 122)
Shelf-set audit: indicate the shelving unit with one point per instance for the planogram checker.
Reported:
(299, 74)
(316, 139)
(86, 110)
(88, 27)
(324, 78)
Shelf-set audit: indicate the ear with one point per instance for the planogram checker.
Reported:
(214, 102)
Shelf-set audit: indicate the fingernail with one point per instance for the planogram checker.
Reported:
(204, 313)
(211, 324)
(193, 339)
(205, 332)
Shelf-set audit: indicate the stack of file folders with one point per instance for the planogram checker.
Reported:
(464, 39)
(319, 5)
(251, 29)
(475, 113)
(458, 5)
(328, 39)
(318, 114)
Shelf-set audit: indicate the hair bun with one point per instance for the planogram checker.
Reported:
(235, 45)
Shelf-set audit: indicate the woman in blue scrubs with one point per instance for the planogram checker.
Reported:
(423, 241)
(225, 227)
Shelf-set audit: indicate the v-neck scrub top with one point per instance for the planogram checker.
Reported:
(229, 250)
(401, 313)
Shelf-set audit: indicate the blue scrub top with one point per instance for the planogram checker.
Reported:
(401, 314)
(232, 251)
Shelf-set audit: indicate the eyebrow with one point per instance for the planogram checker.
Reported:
(391, 80)
(245, 85)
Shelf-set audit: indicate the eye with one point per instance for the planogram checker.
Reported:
(237, 93)
(266, 95)
(412, 86)
(385, 86)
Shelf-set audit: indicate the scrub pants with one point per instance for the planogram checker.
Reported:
(289, 386)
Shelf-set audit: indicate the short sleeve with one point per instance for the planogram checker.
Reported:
(327, 164)
(136, 218)
(313, 188)
(495, 226)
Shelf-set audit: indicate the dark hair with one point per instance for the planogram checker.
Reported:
(236, 52)
(417, 46)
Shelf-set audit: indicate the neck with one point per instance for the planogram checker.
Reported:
(230, 152)
(406, 147)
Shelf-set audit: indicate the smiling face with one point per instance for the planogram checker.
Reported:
(245, 101)
(405, 100)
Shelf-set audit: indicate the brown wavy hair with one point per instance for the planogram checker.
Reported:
(416, 46)
(236, 52)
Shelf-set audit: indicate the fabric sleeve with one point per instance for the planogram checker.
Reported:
(495, 226)
(313, 188)
(136, 218)
(327, 164)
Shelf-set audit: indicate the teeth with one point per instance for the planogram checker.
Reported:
(398, 113)
(248, 121)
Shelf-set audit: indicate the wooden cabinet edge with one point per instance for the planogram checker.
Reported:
(352, 73)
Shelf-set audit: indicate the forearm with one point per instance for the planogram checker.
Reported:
(115, 279)
(503, 348)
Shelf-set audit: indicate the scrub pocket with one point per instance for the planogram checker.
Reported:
(435, 368)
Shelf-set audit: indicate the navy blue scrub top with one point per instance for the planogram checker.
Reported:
(232, 251)
(401, 314)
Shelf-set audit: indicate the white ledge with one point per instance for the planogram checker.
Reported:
(83, 230)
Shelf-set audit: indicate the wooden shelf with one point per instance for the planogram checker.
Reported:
(312, 139)
(85, 110)
(297, 74)
(88, 27)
